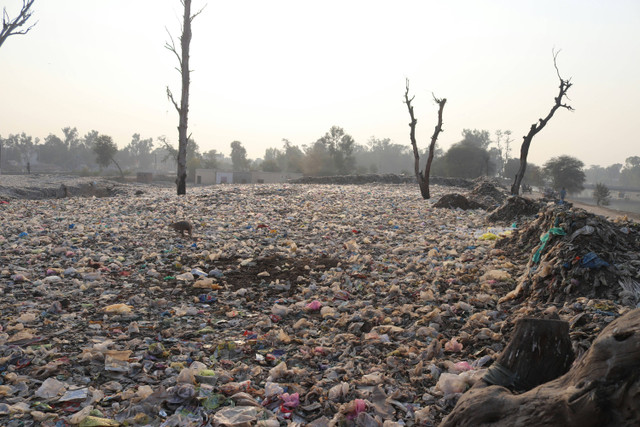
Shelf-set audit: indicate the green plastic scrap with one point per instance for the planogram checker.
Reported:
(558, 231)
(213, 402)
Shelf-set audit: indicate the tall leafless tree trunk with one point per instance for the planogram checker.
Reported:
(423, 178)
(14, 26)
(537, 127)
(183, 108)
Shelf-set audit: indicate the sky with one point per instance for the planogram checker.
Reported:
(267, 70)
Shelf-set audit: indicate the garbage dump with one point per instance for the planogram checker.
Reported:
(288, 304)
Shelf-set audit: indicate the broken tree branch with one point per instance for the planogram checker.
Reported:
(170, 96)
(11, 27)
(172, 48)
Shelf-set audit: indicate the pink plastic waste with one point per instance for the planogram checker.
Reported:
(290, 400)
(358, 406)
(314, 305)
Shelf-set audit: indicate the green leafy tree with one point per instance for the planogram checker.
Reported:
(480, 138)
(340, 146)
(239, 156)
(595, 173)
(383, 156)
(139, 151)
(293, 157)
(53, 151)
(210, 159)
(87, 154)
(613, 172)
(467, 160)
(317, 160)
(565, 171)
(19, 148)
(106, 150)
(532, 176)
(630, 174)
(601, 194)
(287, 159)
(270, 163)
(78, 155)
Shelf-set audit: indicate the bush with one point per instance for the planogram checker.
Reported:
(601, 194)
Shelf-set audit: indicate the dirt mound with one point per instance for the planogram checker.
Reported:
(488, 193)
(574, 253)
(514, 208)
(457, 201)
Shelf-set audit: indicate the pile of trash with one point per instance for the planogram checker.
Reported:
(573, 253)
(305, 304)
(515, 209)
(488, 193)
(457, 201)
(485, 194)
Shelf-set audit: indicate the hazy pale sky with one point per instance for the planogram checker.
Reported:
(268, 70)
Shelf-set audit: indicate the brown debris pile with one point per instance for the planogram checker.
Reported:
(485, 195)
(488, 193)
(457, 201)
(514, 208)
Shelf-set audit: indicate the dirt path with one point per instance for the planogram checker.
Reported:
(598, 210)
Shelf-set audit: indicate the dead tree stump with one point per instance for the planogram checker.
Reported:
(601, 389)
(539, 351)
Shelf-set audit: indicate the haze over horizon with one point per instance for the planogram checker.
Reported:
(264, 71)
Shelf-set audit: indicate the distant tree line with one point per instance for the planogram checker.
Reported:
(71, 152)
(478, 153)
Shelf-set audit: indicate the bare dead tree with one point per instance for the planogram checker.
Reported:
(565, 84)
(183, 108)
(423, 178)
(11, 27)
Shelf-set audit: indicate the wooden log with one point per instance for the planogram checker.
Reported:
(539, 351)
(601, 389)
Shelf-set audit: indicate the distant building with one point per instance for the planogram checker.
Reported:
(205, 176)
(212, 176)
(222, 177)
(242, 177)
